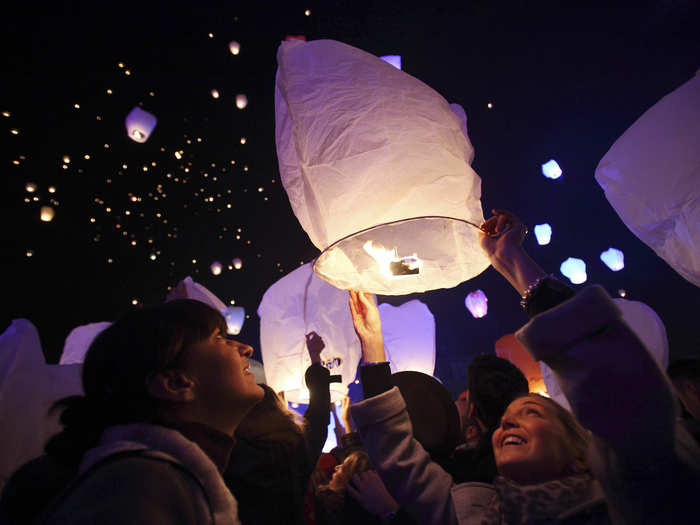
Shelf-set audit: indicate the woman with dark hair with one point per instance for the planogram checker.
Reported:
(165, 390)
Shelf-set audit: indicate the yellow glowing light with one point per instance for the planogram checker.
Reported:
(134, 302)
(30, 187)
(109, 91)
(92, 219)
(76, 106)
(307, 12)
(127, 72)
(489, 105)
(121, 64)
(260, 189)
(211, 35)
(137, 134)
(106, 146)
(14, 131)
(52, 189)
(87, 157)
(194, 261)
(110, 260)
(243, 140)
(15, 162)
(214, 93)
(241, 101)
(47, 213)
(5, 113)
(153, 256)
(30, 253)
(390, 264)
(234, 47)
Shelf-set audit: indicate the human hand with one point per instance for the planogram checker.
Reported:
(501, 232)
(345, 414)
(370, 492)
(338, 430)
(368, 325)
(315, 345)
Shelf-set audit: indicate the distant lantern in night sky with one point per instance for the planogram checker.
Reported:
(613, 259)
(235, 316)
(216, 268)
(215, 93)
(140, 124)
(391, 220)
(30, 187)
(543, 232)
(574, 269)
(477, 303)
(394, 60)
(237, 263)
(47, 213)
(234, 47)
(241, 101)
(551, 169)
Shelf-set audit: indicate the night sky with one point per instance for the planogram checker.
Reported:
(131, 219)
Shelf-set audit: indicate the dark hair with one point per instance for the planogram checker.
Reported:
(493, 383)
(688, 368)
(118, 365)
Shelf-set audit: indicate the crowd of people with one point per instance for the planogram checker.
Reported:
(173, 428)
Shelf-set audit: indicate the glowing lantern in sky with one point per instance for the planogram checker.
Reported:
(140, 124)
(644, 322)
(385, 190)
(216, 268)
(47, 213)
(235, 316)
(551, 169)
(237, 263)
(508, 347)
(215, 93)
(409, 336)
(30, 187)
(241, 101)
(295, 305)
(234, 47)
(543, 232)
(574, 269)
(394, 60)
(650, 177)
(613, 259)
(477, 303)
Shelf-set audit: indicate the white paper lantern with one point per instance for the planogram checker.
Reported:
(644, 322)
(235, 317)
(377, 169)
(189, 289)
(543, 233)
(234, 47)
(216, 268)
(30, 187)
(394, 60)
(477, 303)
(241, 101)
(215, 93)
(551, 169)
(79, 340)
(295, 305)
(47, 213)
(650, 176)
(613, 259)
(409, 336)
(140, 124)
(574, 269)
(237, 263)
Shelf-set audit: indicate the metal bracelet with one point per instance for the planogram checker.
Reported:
(532, 287)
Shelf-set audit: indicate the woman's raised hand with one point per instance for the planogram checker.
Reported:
(368, 325)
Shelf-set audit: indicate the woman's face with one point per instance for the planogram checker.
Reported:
(531, 445)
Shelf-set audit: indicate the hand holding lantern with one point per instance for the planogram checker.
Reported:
(368, 326)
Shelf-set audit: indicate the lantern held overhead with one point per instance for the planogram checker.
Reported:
(140, 124)
(385, 190)
(650, 177)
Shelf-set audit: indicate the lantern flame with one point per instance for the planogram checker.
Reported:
(390, 263)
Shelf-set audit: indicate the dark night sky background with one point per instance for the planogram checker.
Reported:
(564, 83)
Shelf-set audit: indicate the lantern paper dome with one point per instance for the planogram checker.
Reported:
(477, 303)
(613, 259)
(409, 337)
(292, 307)
(79, 340)
(543, 233)
(383, 186)
(140, 124)
(574, 269)
(551, 169)
(650, 176)
(644, 322)
(235, 316)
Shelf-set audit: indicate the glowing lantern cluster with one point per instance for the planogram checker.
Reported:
(551, 169)
(543, 233)
(394, 60)
(613, 259)
(47, 213)
(140, 124)
(477, 303)
(234, 47)
(390, 198)
(574, 269)
(241, 101)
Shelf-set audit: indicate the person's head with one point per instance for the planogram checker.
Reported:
(492, 383)
(538, 441)
(355, 463)
(270, 420)
(685, 375)
(163, 364)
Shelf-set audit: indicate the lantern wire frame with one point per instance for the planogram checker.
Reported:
(440, 248)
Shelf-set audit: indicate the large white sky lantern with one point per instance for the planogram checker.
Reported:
(295, 305)
(574, 269)
(140, 124)
(551, 169)
(543, 233)
(409, 336)
(235, 316)
(651, 176)
(477, 303)
(613, 259)
(376, 165)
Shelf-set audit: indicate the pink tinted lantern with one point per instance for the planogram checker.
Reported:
(477, 303)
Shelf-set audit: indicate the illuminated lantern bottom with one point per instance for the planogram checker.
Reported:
(406, 256)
